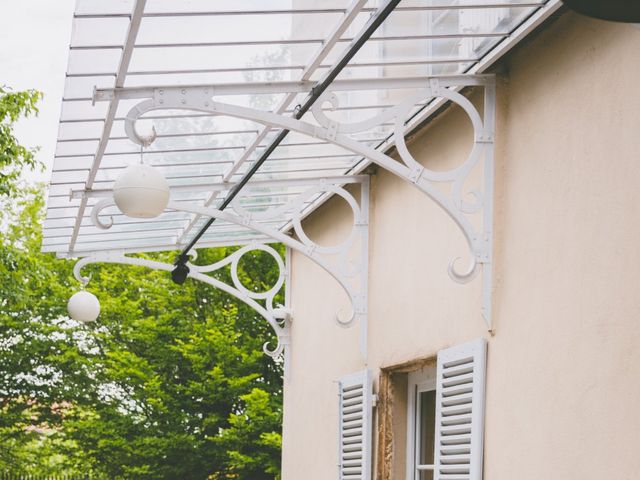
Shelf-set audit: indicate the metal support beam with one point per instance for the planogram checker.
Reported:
(260, 88)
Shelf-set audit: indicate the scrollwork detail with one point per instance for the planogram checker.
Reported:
(464, 276)
(293, 211)
(233, 261)
(458, 204)
(95, 213)
(130, 124)
(268, 311)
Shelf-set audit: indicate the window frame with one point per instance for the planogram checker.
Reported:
(419, 381)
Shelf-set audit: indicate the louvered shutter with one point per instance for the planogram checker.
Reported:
(356, 397)
(460, 411)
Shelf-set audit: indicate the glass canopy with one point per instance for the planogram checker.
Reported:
(159, 43)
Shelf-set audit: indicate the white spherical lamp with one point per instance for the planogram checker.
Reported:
(83, 307)
(141, 192)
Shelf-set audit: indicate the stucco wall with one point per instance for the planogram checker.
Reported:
(563, 380)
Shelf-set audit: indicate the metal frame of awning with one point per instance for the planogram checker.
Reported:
(80, 163)
(82, 183)
(454, 202)
(263, 303)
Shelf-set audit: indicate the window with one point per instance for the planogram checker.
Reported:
(421, 414)
(430, 416)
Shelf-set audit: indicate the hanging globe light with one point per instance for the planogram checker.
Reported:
(83, 307)
(141, 191)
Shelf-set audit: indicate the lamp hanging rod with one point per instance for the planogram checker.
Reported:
(181, 271)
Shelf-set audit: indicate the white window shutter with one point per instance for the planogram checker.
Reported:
(355, 411)
(460, 411)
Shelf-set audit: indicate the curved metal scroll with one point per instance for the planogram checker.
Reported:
(271, 313)
(453, 203)
(335, 259)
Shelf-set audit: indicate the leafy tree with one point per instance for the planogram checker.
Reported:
(14, 158)
(169, 383)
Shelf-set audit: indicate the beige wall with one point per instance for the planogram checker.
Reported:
(563, 381)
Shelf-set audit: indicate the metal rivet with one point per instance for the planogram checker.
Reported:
(184, 101)
(161, 92)
(184, 92)
(161, 101)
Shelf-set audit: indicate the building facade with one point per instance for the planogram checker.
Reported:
(557, 396)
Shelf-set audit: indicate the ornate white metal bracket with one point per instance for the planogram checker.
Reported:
(345, 262)
(471, 210)
(262, 302)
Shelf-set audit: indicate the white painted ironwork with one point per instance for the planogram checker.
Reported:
(346, 262)
(200, 92)
(459, 204)
(92, 147)
(262, 302)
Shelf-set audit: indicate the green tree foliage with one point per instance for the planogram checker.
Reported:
(169, 383)
(14, 158)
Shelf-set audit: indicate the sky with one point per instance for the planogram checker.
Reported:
(34, 42)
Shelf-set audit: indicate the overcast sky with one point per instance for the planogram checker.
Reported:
(34, 41)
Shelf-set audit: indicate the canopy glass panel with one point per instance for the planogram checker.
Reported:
(162, 43)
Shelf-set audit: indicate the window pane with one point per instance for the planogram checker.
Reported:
(426, 475)
(427, 430)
